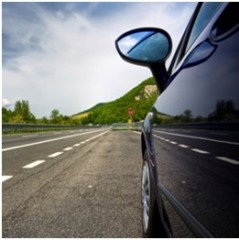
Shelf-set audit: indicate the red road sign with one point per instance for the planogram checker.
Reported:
(130, 112)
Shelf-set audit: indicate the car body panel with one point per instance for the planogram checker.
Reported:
(194, 136)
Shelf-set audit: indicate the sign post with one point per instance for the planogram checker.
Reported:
(130, 113)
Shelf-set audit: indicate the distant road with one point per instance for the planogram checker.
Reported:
(24, 140)
(71, 184)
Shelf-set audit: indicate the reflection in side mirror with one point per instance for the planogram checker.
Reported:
(144, 46)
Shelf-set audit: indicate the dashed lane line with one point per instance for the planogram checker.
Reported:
(50, 140)
(68, 148)
(199, 138)
(183, 146)
(56, 154)
(229, 160)
(77, 145)
(5, 178)
(199, 151)
(34, 164)
(221, 158)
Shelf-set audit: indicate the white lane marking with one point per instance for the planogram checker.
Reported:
(200, 151)
(161, 138)
(229, 160)
(56, 154)
(82, 143)
(183, 146)
(99, 135)
(158, 137)
(199, 138)
(77, 145)
(34, 164)
(68, 148)
(164, 139)
(5, 178)
(50, 140)
(225, 159)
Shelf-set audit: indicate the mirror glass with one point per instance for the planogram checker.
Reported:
(146, 46)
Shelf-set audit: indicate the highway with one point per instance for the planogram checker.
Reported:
(71, 184)
(86, 183)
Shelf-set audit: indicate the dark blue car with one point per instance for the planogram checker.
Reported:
(190, 140)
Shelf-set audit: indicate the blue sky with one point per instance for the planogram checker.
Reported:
(62, 55)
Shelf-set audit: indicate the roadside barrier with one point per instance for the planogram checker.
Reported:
(125, 126)
(8, 128)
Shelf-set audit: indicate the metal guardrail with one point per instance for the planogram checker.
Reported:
(10, 128)
(29, 128)
(126, 126)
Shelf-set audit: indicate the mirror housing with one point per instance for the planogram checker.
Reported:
(148, 47)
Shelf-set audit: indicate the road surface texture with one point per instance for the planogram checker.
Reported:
(79, 184)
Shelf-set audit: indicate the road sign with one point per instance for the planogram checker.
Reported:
(130, 112)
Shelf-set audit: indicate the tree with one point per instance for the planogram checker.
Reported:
(55, 116)
(6, 115)
(22, 113)
(44, 120)
(224, 111)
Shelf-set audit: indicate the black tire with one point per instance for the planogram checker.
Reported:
(149, 211)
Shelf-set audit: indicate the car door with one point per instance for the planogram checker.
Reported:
(195, 127)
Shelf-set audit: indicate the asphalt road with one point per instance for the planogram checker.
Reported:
(74, 184)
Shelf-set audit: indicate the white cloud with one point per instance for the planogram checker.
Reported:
(6, 102)
(69, 61)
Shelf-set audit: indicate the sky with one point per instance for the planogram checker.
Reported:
(62, 56)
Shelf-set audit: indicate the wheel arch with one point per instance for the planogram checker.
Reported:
(159, 213)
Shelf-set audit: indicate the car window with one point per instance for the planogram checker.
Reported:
(204, 16)
(227, 23)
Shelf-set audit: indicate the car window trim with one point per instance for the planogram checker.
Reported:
(180, 52)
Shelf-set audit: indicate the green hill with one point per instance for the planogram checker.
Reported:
(140, 99)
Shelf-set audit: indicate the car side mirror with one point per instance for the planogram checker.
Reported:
(144, 46)
(148, 47)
